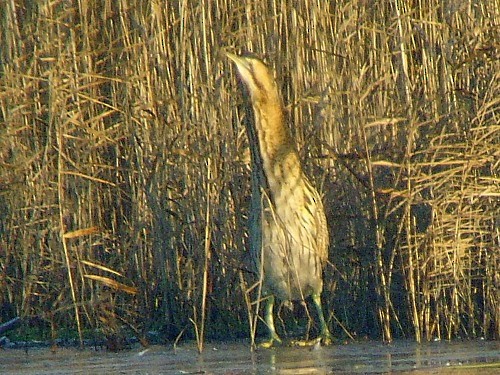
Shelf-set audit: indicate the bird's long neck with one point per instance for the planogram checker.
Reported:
(276, 165)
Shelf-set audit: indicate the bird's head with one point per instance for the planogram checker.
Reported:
(257, 77)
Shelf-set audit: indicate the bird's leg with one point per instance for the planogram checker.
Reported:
(325, 336)
(269, 319)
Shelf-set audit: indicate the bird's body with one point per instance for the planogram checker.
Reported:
(288, 216)
(288, 233)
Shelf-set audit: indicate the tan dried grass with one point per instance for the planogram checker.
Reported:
(124, 117)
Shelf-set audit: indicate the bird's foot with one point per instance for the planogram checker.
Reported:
(305, 343)
(270, 342)
(324, 339)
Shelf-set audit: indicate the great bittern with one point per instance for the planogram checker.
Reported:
(288, 233)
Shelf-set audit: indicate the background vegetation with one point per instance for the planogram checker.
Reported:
(124, 180)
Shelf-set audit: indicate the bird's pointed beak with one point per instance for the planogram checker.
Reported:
(241, 63)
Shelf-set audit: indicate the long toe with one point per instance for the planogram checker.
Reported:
(305, 343)
(326, 338)
(270, 342)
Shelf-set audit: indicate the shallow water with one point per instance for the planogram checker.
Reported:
(458, 357)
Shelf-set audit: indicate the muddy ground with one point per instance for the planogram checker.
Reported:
(458, 357)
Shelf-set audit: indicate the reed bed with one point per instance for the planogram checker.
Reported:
(124, 180)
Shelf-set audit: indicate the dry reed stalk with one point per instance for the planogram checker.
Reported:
(394, 107)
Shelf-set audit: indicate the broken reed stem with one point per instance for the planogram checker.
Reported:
(206, 265)
(252, 323)
(382, 285)
(62, 228)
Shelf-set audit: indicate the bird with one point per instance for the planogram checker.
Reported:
(287, 226)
